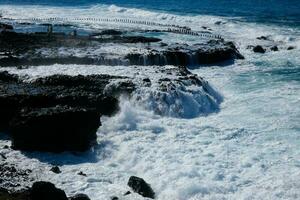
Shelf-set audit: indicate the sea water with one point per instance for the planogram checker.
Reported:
(248, 149)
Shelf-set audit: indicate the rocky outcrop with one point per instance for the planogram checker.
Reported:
(140, 186)
(12, 177)
(274, 48)
(6, 26)
(185, 55)
(40, 191)
(54, 129)
(57, 113)
(259, 49)
(41, 49)
(46, 191)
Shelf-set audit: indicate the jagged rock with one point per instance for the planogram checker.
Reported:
(55, 170)
(140, 186)
(39, 191)
(274, 48)
(25, 50)
(263, 38)
(80, 197)
(81, 173)
(259, 49)
(211, 52)
(73, 91)
(46, 191)
(12, 177)
(127, 193)
(55, 129)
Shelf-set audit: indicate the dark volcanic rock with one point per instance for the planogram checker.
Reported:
(55, 170)
(140, 186)
(212, 52)
(12, 177)
(263, 38)
(81, 173)
(291, 48)
(42, 113)
(56, 129)
(274, 48)
(6, 26)
(39, 191)
(127, 193)
(259, 49)
(80, 197)
(46, 191)
(20, 195)
(25, 50)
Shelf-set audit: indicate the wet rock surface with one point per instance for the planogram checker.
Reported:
(20, 49)
(259, 49)
(54, 129)
(140, 186)
(39, 191)
(59, 103)
(13, 177)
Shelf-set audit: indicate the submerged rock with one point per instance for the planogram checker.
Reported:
(140, 186)
(259, 49)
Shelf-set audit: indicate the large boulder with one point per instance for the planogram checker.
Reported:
(259, 49)
(140, 186)
(46, 191)
(54, 129)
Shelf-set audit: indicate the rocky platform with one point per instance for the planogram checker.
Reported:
(57, 113)
(27, 49)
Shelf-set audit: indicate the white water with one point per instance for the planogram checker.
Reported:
(250, 149)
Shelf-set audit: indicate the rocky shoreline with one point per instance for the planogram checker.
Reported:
(60, 112)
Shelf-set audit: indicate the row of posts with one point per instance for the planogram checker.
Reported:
(175, 28)
(113, 20)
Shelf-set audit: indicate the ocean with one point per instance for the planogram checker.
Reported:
(249, 148)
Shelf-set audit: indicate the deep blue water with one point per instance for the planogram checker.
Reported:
(282, 12)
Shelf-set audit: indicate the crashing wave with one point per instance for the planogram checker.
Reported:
(165, 90)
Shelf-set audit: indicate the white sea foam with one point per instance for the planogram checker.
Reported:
(168, 98)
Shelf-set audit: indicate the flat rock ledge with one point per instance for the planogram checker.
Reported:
(20, 49)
